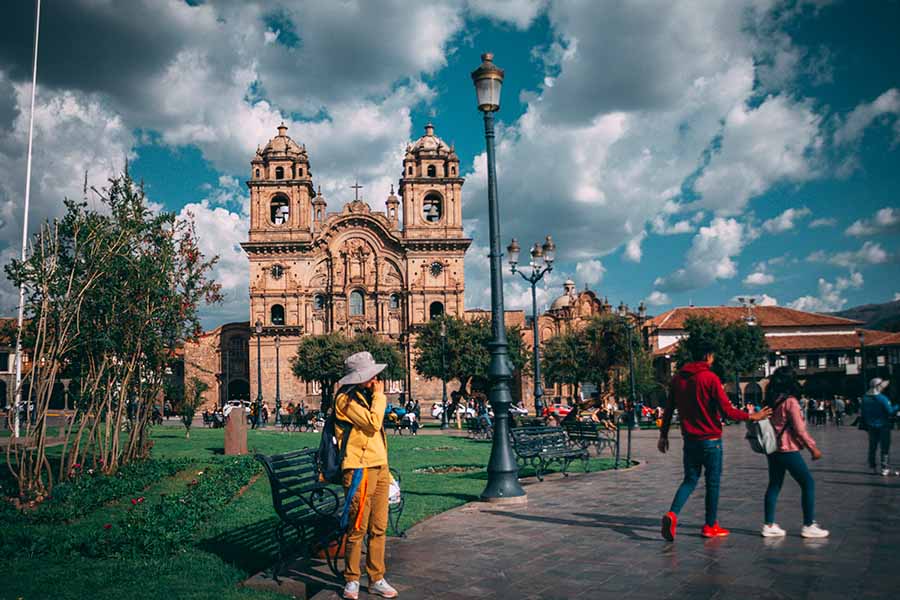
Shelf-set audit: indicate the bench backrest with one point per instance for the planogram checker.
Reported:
(534, 440)
(582, 429)
(297, 492)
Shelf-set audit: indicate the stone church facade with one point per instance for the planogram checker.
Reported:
(352, 270)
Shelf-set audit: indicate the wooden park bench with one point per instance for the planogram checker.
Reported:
(310, 508)
(589, 433)
(541, 446)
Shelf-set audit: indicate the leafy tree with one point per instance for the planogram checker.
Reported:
(193, 398)
(111, 293)
(320, 358)
(562, 360)
(738, 347)
(467, 354)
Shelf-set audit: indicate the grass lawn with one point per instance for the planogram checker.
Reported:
(239, 540)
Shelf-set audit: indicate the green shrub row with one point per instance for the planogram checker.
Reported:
(147, 528)
(87, 489)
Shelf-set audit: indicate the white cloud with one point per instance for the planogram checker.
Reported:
(830, 298)
(662, 226)
(759, 278)
(866, 113)
(633, 250)
(657, 298)
(709, 258)
(823, 222)
(590, 272)
(896, 296)
(520, 13)
(870, 253)
(779, 140)
(886, 220)
(786, 220)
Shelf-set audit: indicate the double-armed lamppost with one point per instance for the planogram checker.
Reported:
(862, 360)
(750, 320)
(277, 381)
(444, 423)
(259, 398)
(503, 483)
(541, 263)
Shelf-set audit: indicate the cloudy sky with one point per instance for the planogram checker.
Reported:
(678, 152)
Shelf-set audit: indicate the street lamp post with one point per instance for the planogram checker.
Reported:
(259, 397)
(277, 381)
(862, 359)
(503, 484)
(541, 264)
(444, 424)
(629, 414)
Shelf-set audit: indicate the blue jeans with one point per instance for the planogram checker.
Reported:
(705, 455)
(793, 463)
(880, 436)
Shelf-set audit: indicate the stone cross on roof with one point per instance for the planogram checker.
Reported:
(356, 189)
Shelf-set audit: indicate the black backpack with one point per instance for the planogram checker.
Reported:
(333, 448)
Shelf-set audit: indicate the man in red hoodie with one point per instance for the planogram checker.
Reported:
(701, 401)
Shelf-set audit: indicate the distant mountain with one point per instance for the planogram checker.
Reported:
(885, 316)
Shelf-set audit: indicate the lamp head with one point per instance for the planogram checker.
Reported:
(537, 255)
(488, 79)
(549, 250)
(513, 251)
(259, 326)
(623, 309)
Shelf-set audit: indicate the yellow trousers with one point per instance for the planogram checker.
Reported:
(374, 522)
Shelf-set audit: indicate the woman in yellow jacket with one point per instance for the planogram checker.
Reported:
(361, 402)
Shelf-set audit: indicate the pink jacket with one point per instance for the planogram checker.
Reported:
(795, 436)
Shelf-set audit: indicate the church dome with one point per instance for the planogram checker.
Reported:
(282, 145)
(568, 297)
(429, 143)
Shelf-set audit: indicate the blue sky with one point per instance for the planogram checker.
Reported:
(677, 152)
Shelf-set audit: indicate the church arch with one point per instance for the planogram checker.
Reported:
(319, 302)
(435, 310)
(357, 303)
(276, 314)
(280, 210)
(433, 207)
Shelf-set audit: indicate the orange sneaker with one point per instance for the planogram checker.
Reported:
(714, 531)
(669, 523)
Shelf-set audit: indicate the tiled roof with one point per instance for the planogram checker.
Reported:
(766, 316)
(837, 341)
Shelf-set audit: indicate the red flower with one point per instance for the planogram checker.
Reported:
(141, 499)
(107, 526)
(133, 501)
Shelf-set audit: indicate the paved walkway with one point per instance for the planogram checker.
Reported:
(597, 536)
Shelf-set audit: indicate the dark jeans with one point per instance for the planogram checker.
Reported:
(793, 463)
(880, 436)
(705, 455)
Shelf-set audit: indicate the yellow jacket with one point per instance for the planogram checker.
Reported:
(367, 444)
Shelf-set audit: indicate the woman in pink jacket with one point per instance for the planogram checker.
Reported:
(792, 436)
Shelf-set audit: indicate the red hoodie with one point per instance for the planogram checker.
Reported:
(701, 401)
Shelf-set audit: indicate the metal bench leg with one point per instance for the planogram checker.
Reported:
(279, 536)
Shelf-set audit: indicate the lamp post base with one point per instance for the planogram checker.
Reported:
(506, 501)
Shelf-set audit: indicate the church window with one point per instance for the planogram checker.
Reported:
(279, 172)
(409, 171)
(436, 310)
(432, 208)
(432, 171)
(453, 170)
(280, 210)
(395, 301)
(277, 314)
(237, 346)
(300, 172)
(257, 172)
(319, 302)
(357, 303)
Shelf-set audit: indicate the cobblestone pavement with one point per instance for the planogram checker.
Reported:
(597, 535)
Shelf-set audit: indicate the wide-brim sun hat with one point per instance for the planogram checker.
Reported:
(360, 368)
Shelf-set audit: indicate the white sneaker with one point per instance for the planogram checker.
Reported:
(351, 590)
(813, 531)
(885, 472)
(382, 588)
(773, 530)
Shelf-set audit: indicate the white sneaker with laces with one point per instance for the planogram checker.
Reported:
(813, 531)
(382, 588)
(885, 472)
(351, 590)
(773, 530)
